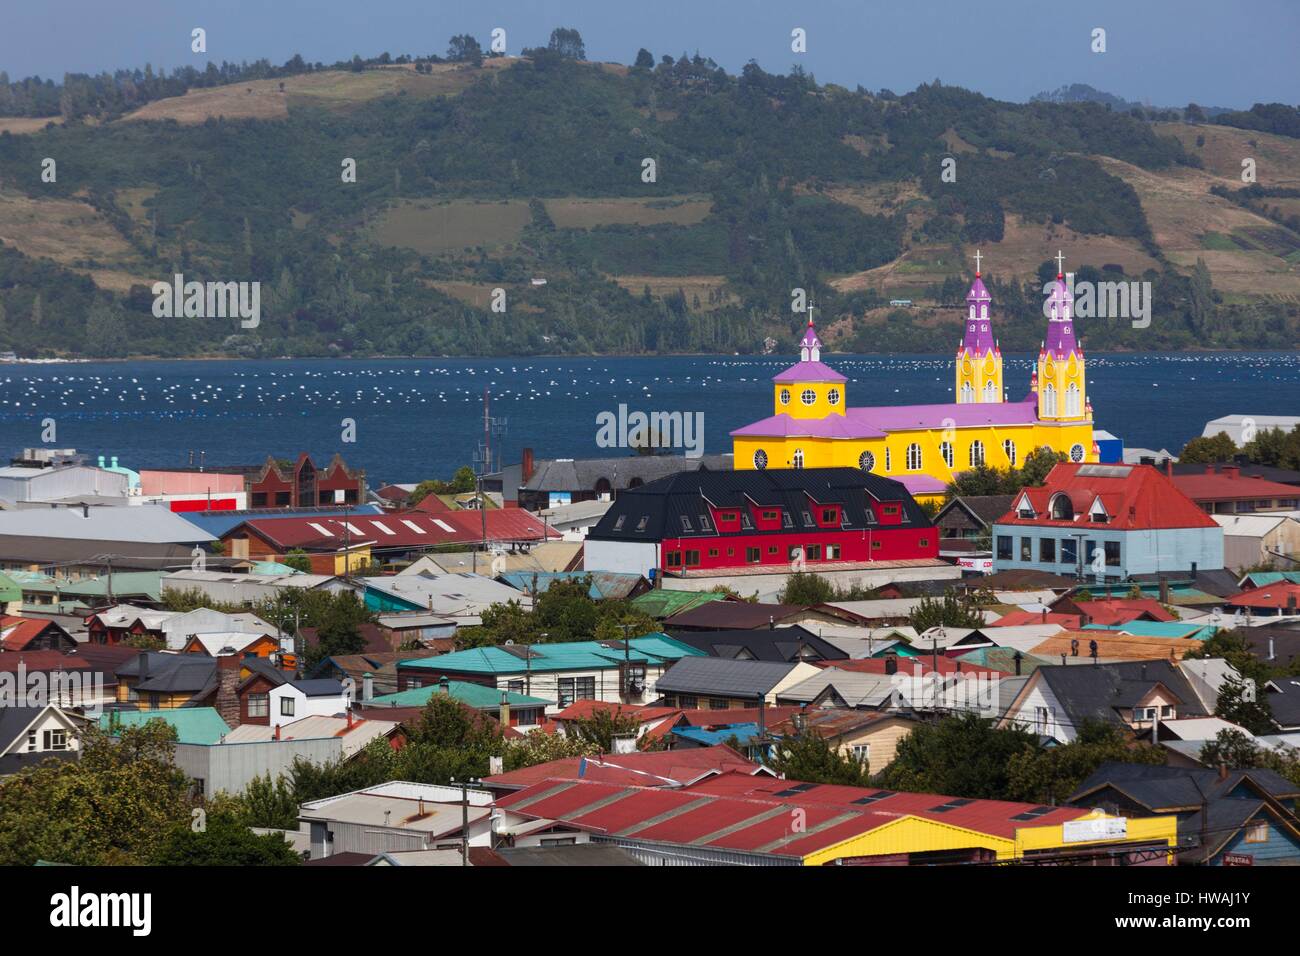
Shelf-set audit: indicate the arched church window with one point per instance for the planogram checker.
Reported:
(976, 453)
(945, 450)
(798, 458)
(1009, 447)
(1072, 404)
(913, 457)
(990, 392)
(1049, 401)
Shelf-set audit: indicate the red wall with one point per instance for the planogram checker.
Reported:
(895, 544)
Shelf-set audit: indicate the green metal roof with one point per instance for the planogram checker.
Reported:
(124, 582)
(272, 567)
(661, 602)
(9, 589)
(575, 655)
(477, 696)
(193, 725)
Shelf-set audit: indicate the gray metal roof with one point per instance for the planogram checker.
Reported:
(151, 524)
(575, 474)
(715, 675)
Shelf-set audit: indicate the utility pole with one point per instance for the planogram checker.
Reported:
(464, 818)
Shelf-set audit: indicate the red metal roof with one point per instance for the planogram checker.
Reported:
(42, 661)
(404, 530)
(21, 631)
(1229, 485)
(1135, 497)
(1123, 610)
(722, 812)
(643, 768)
(1272, 595)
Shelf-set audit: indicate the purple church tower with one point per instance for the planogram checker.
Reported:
(979, 340)
(1061, 340)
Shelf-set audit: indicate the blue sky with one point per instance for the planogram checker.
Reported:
(1166, 52)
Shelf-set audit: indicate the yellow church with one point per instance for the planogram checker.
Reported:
(926, 446)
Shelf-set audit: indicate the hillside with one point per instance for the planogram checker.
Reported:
(503, 174)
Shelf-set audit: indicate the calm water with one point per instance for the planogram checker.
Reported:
(422, 418)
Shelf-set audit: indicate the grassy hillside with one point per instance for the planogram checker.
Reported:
(518, 170)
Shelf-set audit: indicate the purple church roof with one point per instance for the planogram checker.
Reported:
(1060, 339)
(877, 422)
(979, 331)
(809, 372)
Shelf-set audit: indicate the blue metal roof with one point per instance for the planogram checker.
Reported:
(718, 735)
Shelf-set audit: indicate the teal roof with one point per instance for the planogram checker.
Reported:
(575, 655)
(1158, 629)
(1264, 578)
(193, 725)
(9, 589)
(124, 582)
(477, 696)
(662, 603)
(272, 567)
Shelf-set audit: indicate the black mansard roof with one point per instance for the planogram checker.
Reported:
(678, 506)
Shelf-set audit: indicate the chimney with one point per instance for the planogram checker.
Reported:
(350, 722)
(444, 685)
(891, 664)
(228, 689)
(1232, 471)
(527, 467)
(503, 714)
(762, 717)
(143, 675)
(1223, 771)
(1044, 615)
(1169, 467)
(85, 510)
(1018, 657)
(1290, 605)
(623, 743)
(1193, 572)
(367, 686)
(1164, 589)
(1209, 469)
(101, 461)
(275, 733)
(771, 623)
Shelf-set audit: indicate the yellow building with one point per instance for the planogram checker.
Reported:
(927, 446)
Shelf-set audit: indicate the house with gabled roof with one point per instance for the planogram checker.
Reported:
(1057, 700)
(1225, 817)
(1106, 522)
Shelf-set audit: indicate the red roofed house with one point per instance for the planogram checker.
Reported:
(1108, 611)
(1106, 522)
(1222, 490)
(667, 768)
(34, 634)
(392, 536)
(1272, 600)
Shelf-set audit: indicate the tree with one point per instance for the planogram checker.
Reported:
(464, 48)
(602, 727)
(299, 560)
(951, 611)
(811, 758)
(1048, 775)
(1208, 450)
(267, 804)
(964, 756)
(644, 60)
(1238, 703)
(805, 587)
(224, 840)
(338, 630)
(114, 806)
(567, 43)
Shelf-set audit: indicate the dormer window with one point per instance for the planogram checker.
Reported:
(686, 523)
(1025, 508)
(1061, 508)
(1097, 513)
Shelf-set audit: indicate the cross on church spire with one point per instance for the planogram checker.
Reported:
(977, 262)
(1060, 264)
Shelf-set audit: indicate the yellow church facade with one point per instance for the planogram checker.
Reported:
(927, 446)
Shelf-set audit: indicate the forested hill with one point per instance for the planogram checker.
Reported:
(544, 204)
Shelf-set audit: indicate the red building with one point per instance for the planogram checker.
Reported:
(775, 518)
(305, 486)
